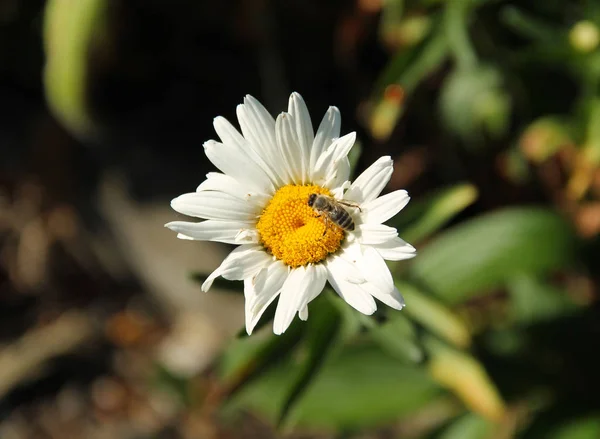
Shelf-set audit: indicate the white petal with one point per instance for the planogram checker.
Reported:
(211, 230)
(338, 192)
(215, 181)
(258, 127)
(395, 250)
(352, 293)
(383, 208)
(302, 285)
(288, 148)
(261, 290)
(239, 164)
(333, 166)
(303, 130)
(379, 279)
(266, 283)
(250, 292)
(339, 168)
(215, 205)
(375, 233)
(303, 313)
(339, 175)
(329, 129)
(253, 318)
(345, 270)
(229, 135)
(392, 299)
(342, 146)
(371, 182)
(319, 170)
(372, 267)
(247, 236)
(244, 261)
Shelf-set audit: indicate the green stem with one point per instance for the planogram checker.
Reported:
(457, 32)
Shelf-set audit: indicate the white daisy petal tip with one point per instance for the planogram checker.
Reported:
(394, 300)
(251, 100)
(176, 203)
(208, 282)
(184, 237)
(296, 101)
(209, 143)
(303, 314)
(268, 169)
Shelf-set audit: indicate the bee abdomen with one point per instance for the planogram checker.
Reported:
(345, 221)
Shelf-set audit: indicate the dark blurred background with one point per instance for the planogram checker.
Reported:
(491, 111)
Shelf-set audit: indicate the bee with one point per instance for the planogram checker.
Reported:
(332, 210)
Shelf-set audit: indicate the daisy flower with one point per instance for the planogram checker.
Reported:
(288, 249)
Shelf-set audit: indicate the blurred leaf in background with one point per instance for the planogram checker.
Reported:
(493, 248)
(72, 30)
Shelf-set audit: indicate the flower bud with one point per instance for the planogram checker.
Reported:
(386, 112)
(543, 138)
(473, 102)
(584, 36)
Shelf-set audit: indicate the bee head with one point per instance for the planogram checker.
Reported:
(311, 199)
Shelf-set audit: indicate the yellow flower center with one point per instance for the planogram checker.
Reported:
(293, 232)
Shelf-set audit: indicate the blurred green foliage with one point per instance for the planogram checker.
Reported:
(499, 245)
(72, 30)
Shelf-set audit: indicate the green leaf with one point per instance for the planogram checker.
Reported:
(485, 252)
(392, 14)
(434, 316)
(456, 24)
(588, 428)
(248, 359)
(361, 387)
(469, 426)
(528, 26)
(410, 67)
(592, 141)
(533, 300)
(430, 213)
(71, 31)
(406, 71)
(466, 377)
(323, 339)
(397, 337)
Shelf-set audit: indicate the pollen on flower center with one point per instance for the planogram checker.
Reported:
(291, 230)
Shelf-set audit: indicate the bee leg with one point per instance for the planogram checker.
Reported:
(346, 203)
(325, 219)
(326, 224)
